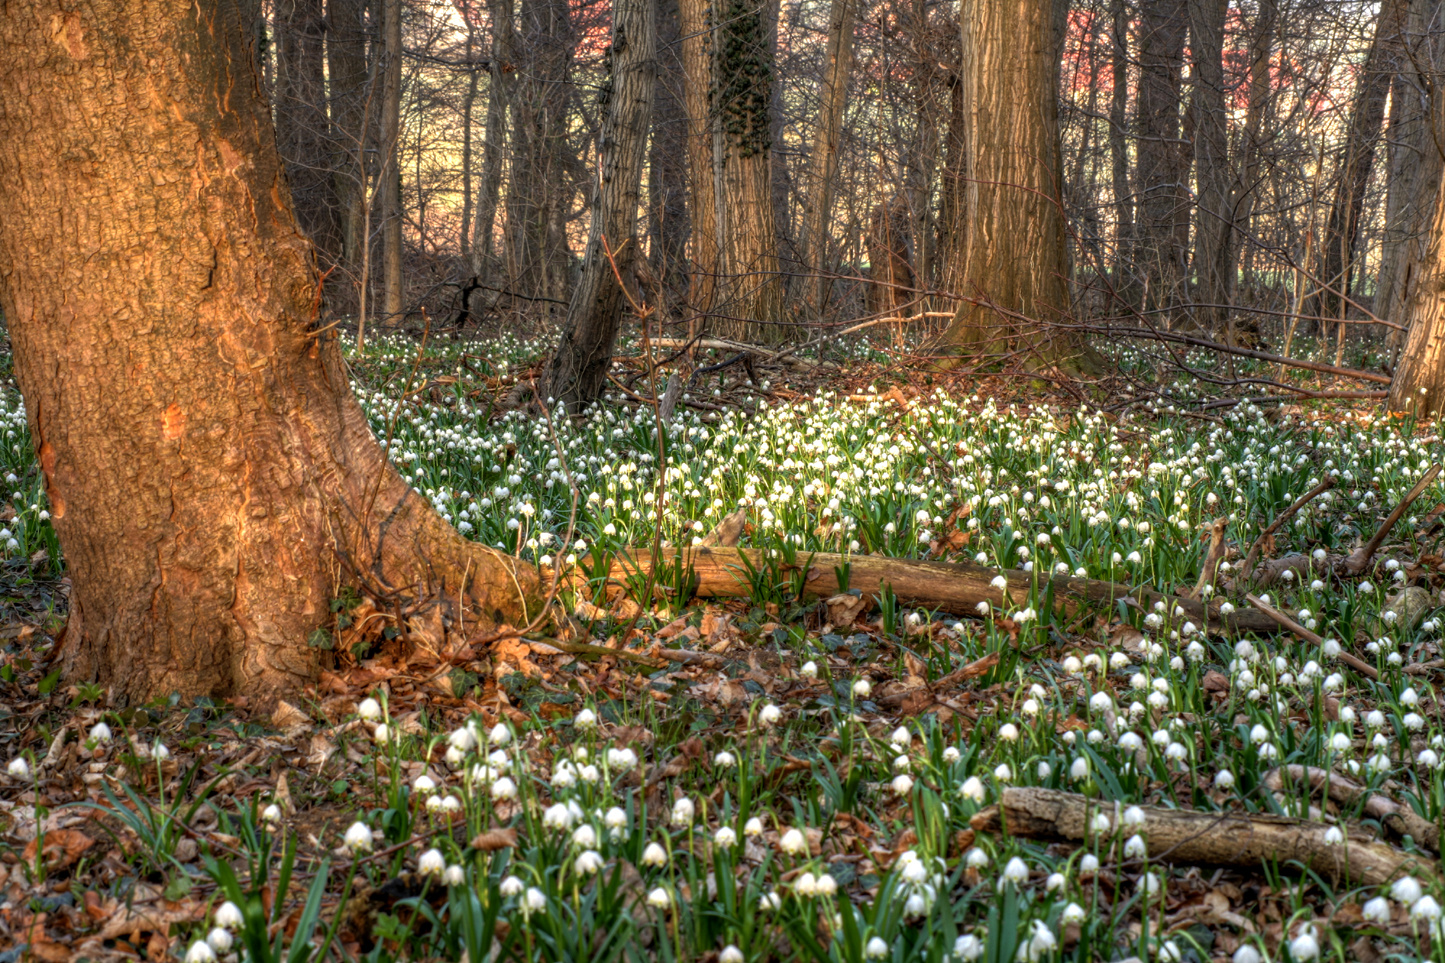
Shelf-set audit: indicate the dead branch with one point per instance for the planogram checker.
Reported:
(1358, 664)
(1211, 559)
(1398, 819)
(1253, 556)
(1218, 839)
(956, 587)
(1357, 560)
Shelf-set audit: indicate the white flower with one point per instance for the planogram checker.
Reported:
(220, 940)
(770, 900)
(976, 858)
(357, 839)
(369, 709)
(862, 688)
(730, 954)
(1247, 954)
(18, 768)
(683, 812)
(1134, 847)
(557, 817)
(1225, 779)
(654, 855)
(463, 739)
(794, 843)
(500, 734)
(382, 734)
(1377, 910)
(1008, 732)
(1151, 884)
(504, 788)
(424, 785)
(902, 784)
(972, 788)
(1016, 872)
(454, 876)
(1073, 913)
(200, 952)
(431, 863)
(951, 755)
(1133, 816)
(100, 732)
(724, 760)
(968, 948)
(726, 837)
(769, 715)
(876, 949)
(1041, 942)
(1333, 836)
(511, 886)
(1304, 947)
(534, 900)
(1002, 772)
(806, 885)
(585, 719)
(659, 898)
(1406, 890)
(159, 752)
(1089, 864)
(753, 827)
(584, 836)
(1425, 908)
(1102, 823)
(271, 815)
(809, 670)
(588, 862)
(228, 914)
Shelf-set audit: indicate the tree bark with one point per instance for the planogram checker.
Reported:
(500, 86)
(1215, 246)
(1415, 164)
(832, 99)
(469, 102)
(1357, 159)
(1162, 215)
(211, 478)
(1014, 257)
(1418, 386)
(350, 86)
(697, 44)
(583, 357)
(667, 208)
(1119, 151)
(750, 296)
(537, 253)
(390, 179)
(303, 129)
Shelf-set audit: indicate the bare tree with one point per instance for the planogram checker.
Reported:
(832, 97)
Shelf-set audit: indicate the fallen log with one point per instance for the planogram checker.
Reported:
(954, 587)
(1393, 816)
(1187, 837)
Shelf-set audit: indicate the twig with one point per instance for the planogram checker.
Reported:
(1247, 569)
(1354, 662)
(1355, 563)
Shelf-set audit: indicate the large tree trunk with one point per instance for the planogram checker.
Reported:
(953, 202)
(469, 103)
(1415, 164)
(211, 478)
(1119, 150)
(751, 288)
(347, 63)
(1015, 266)
(1162, 217)
(390, 180)
(583, 357)
(667, 209)
(1418, 386)
(1357, 158)
(1215, 246)
(832, 98)
(697, 43)
(303, 130)
(537, 253)
(500, 85)
(1256, 131)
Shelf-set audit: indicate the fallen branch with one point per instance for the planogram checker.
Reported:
(1400, 820)
(1253, 556)
(1212, 558)
(1358, 664)
(1174, 338)
(1357, 560)
(956, 587)
(1219, 839)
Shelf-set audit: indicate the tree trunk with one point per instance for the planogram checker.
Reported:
(1418, 386)
(303, 130)
(889, 265)
(1214, 228)
(469, 101)
(1415, 164)
(1162, 216)
(211, 478)
(832, 99)
(751, 289)
(953, 201)
(667, 210)
(1357, 159)
(350, 83)
(1119, 151)
(537, 253)
(500, 85)
(1014, 260)
(583, 357)
(1257, 108)
(390, 180)
(697, 43)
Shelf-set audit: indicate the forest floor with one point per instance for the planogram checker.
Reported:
(772, 776)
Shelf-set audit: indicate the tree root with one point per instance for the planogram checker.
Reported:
(1219, 839)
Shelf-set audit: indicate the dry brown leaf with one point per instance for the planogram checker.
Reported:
(843, 610)
(62, 848)
(495, 839)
